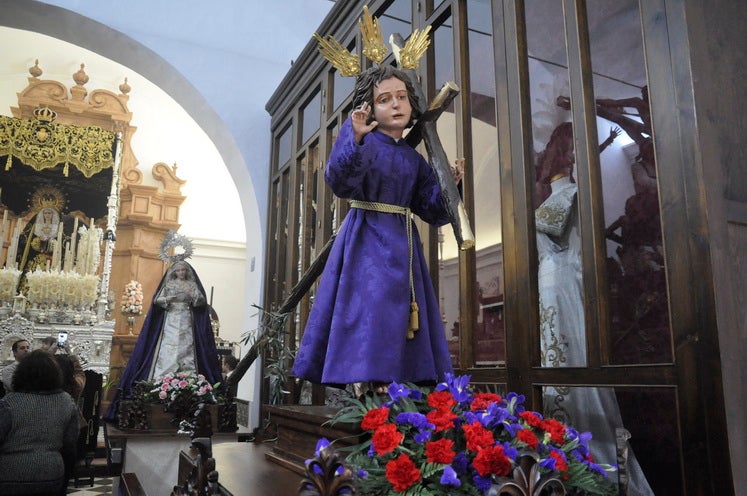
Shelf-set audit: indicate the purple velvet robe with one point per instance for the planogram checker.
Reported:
(140, 362)
(357, 328)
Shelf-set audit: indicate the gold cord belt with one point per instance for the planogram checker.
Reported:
(396, 209)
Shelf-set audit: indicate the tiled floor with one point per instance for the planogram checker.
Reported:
(101, 485)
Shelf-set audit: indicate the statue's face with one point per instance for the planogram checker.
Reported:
(391, 108)
(180, 271)
(47, 216)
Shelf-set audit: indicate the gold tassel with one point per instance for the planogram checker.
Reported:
(413, 320)
(9, 163)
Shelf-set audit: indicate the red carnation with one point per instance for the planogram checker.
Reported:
(477, 436)
(442, 419)
(531, 418)
(441, 400)
(560, 463)
(386, 438)
(555, 429)
(440, 451)
(482, 400)
(373, 419)
(527, 437)
(402, 473)
(492, 460)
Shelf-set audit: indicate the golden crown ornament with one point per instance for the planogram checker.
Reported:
(374, 48)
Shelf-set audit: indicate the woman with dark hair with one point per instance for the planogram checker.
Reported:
(176, 335)
(375, 316)
(38, 429)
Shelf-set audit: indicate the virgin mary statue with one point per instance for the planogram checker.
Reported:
(176, 336)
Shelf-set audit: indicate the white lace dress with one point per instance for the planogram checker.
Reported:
(563, 335)
(176, 344)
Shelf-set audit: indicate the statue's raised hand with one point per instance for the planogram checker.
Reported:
(359, 118)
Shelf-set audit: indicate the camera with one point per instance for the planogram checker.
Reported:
(61, 339)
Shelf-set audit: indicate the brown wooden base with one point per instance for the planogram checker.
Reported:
(299, 428)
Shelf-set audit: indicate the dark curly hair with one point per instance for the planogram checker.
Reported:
(37, 372)
(365, 82)
(231, 361)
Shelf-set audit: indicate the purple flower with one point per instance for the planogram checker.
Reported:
(422, 436)
(457, 386)
(515, 402)
(320, 445)
(510, 451)
(415, 419)
(362, 474)
(548, 463)
(512, 429)
(397, 391)
(459, 463)
(482, 483)
(449, 478)
(596, 468)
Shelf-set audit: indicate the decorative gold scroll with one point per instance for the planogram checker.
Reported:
(42, 144)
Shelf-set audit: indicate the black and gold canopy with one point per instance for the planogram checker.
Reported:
(34, 153)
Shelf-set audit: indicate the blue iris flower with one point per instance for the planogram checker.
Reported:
(320, 445)
(397, 391)
(449, 478)
(515, 402)
(595, 467)
(512, 429)
(548, 463)
(457, 386)
(510, 451)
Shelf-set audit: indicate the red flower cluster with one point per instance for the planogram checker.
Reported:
(386, 438)
(491, 460)
(456, 442)
(482, 400)
(555, 429)
(402, 473)
(375, 418)
(441, 451)
(560, 464)
(477, 436)
(527, 437)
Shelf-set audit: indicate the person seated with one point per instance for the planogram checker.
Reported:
(38, 429)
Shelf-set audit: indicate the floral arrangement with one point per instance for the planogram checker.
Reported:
(54, 287)
(132, 298)
(455, 441)
(171, 387)
(180, 393)
(8, 282)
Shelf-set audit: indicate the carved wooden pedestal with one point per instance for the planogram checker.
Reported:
(159, 420)
(299, 428)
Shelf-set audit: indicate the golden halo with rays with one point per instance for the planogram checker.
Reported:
(47, 197)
